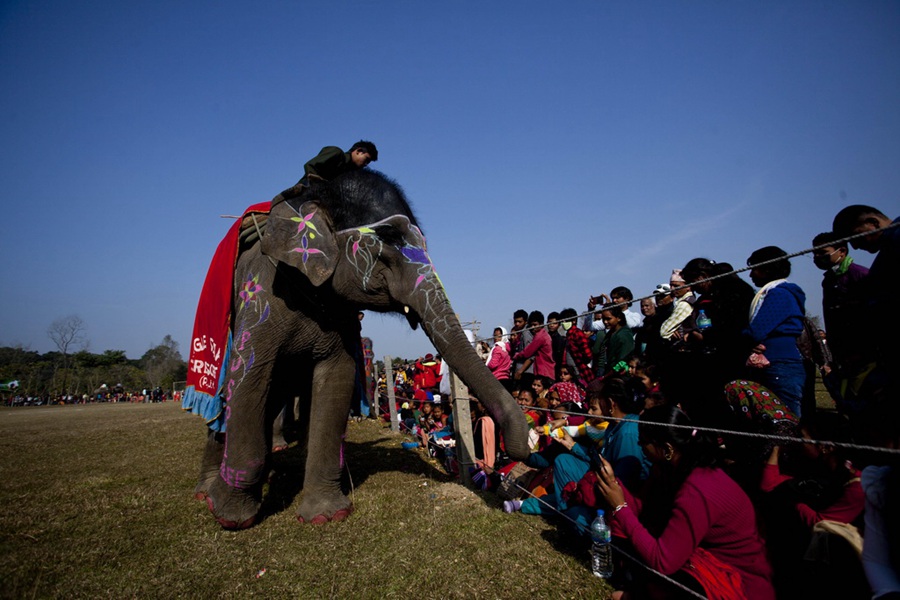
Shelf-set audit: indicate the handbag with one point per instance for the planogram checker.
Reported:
(515, 480)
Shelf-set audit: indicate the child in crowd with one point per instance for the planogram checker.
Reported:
(618, 343)
(426, 415)
(648, 375)
(435, 423)
(541, 386)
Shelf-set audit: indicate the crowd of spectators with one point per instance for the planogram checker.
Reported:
(638, 412)
(103, 394)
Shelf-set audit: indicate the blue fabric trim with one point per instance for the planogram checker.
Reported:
(211, 408)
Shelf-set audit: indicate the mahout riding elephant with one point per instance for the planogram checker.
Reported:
(340, 247)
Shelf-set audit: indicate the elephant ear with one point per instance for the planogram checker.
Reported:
(303, 238)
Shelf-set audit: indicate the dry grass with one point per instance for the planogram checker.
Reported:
(97, 503)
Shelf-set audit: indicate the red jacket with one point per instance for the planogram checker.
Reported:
(541, 348)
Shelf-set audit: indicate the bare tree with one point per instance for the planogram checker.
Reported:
(67, 333)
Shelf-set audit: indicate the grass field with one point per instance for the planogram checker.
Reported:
(98, 503)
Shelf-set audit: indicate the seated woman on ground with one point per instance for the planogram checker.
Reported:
(694, 523)
(623, 399)
(571, 455)
(825, 487)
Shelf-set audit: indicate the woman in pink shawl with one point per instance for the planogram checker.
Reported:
(498, 360)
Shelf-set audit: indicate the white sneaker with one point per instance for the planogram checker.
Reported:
(511, 506)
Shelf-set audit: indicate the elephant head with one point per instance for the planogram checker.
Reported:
(357, 238)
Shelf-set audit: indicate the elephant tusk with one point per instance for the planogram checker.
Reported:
(405, 310)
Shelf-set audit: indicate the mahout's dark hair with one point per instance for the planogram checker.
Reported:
(368, 147)
(521, 314)
(536, 316)
(361, 197)
(553, 316)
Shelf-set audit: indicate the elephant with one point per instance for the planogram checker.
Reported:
(339, 247)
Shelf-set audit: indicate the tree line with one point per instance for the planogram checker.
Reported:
(82, 372)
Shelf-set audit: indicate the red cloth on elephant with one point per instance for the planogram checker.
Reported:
(212, 326)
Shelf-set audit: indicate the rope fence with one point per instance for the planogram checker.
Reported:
(464, 463)
(624, 305)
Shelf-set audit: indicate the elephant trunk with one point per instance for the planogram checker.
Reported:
(445, 332)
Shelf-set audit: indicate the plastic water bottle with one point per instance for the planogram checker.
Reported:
(601, 550)
(703, 322)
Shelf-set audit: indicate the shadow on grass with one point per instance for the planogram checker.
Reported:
(363, 460)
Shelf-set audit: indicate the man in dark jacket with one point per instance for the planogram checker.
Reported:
(330, 162)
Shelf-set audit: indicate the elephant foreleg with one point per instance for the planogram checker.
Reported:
(209, 466)
(323, 500)
(235, 495)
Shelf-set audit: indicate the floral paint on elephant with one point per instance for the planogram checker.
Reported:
(363, 252)
(364, 248)
(252, 312)
(307, 231)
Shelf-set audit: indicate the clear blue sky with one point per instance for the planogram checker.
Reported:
(551, 152)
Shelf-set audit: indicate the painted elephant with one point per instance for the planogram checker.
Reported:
(340, 247)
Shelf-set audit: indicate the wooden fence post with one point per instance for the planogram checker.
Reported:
(462, 423)
(373, 401)
(392, 401)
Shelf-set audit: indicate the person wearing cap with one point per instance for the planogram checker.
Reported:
(664, 298)
(682, 310)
